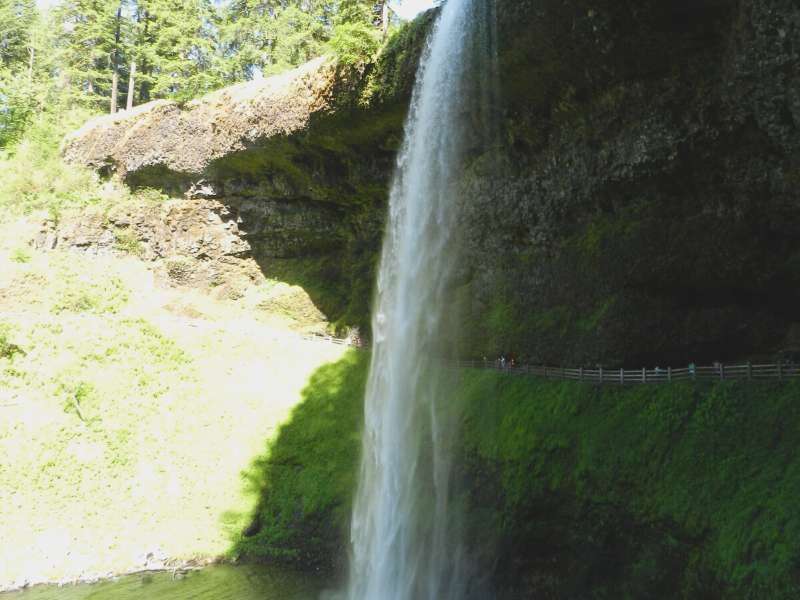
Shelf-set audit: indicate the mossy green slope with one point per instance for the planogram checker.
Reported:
(574, 491)
(659, 491)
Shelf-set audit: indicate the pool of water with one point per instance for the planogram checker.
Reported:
(221, 582)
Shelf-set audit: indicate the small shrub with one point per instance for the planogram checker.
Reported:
(33, 176)
(97, 297)
(150, 196)
(127, 240)
(354, 43)
(78, 396)
(7, 348)
(21, 254)
(179, 269)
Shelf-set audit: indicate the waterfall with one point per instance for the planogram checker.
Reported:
(405, 530)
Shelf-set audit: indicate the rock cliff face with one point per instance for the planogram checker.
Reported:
(298, 164)
(641, 205)
(163, 137)
(645, 208)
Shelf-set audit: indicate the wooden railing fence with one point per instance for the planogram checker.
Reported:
(600, 375)
(719, 372)
(354, 343)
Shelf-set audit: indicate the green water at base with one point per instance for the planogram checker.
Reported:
(221, 582)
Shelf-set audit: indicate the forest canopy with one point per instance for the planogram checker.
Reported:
(108, 55)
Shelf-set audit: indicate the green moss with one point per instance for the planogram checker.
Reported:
(127, 240)
(392, 76)
(591, 322)
(601, 234)
(707, 472)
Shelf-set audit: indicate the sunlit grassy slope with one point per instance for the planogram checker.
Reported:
(129, 411)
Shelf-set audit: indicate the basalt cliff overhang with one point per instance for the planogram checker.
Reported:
(186, 140)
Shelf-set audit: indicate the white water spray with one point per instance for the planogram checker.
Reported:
(405, 530)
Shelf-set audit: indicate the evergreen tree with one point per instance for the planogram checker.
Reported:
(89, 46)
(142, 50)
(183, 54)
(105, 53)
(17, 18)
(20, 45)
(268, 36)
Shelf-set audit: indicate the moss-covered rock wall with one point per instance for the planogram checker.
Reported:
(673, 491)
(642, 203)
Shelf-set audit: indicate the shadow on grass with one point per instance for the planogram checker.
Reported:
(304, 481)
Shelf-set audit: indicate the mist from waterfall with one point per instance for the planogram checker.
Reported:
(406, 532)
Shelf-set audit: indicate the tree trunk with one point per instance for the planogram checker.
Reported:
(144, 90)
(385, 19)
(131, 85)
(114, 82)
(115, 63)
(32, 53)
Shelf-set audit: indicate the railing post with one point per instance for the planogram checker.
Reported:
(621, 376)
(545, 372)
(580, 373)
(669, 374)
(749, 370)
(644, 374)
(601, 374)
(721, 372)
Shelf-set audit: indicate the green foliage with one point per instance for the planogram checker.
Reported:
(127, 240)
(7, 348)
(17, 18)
(266, 36)
(78, 396)
(340, 284)
(305, 480)
(183, 59)
(354, 43)
(16, 105)
(396, 63)
(34, 177)
(69, 56)
(88, 44)
(78, 296)
(26, 67)
(21, 254)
